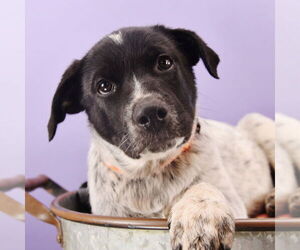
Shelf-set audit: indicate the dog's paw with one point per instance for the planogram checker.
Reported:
(208, 226)
(270, 204)
(294, 203)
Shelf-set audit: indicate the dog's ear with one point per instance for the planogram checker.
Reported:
(194, 48)
(67, 98)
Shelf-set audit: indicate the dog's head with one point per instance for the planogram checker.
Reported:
(137, 87)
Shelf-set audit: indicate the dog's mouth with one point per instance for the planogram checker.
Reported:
(143, 144)
(161, 145)
(155, 146)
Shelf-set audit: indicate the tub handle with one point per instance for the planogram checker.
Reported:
(43, 181)
(14, 182)
(38, 209)
(8, 205)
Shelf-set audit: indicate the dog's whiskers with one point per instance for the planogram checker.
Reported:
(124, 140)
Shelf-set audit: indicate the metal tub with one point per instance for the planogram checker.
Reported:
(78, 230)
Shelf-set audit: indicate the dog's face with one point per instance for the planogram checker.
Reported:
(137, 87)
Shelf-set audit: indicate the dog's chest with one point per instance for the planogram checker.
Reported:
(146, 196)
(143, 194)
(148, 193)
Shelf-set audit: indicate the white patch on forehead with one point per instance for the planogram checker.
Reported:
(116, 37)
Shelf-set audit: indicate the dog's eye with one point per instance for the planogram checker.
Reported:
(164, 62)
(105, 87)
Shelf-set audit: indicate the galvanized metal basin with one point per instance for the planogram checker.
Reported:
(78, 230)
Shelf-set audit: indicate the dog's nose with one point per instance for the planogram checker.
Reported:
(150, 114)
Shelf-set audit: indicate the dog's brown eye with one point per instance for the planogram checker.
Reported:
(164, 62)
(105, 87)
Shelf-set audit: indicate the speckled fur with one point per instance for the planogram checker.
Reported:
(227, 169)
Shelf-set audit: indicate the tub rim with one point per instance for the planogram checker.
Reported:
(251, 224)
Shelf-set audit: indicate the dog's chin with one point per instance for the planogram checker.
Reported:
(154, 146)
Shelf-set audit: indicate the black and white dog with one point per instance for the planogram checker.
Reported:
(150, 155)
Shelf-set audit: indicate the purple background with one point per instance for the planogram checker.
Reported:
(12, 118)
(288, 57)
(241, 32)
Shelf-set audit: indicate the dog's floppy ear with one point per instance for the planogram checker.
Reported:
(194, 48)
(67, 98)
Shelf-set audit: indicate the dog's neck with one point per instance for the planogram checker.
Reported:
(116, 160)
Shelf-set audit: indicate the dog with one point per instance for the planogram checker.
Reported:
(150, 155)
(287, 166)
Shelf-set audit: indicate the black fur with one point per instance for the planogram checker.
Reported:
(136, 55)
(67, 97)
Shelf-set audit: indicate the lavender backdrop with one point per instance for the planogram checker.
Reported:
(12, 119)
(242, 32)
(288, 57)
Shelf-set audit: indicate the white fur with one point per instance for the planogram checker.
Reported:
(287, 159)
(262, 130)
(187, 221)
(107, 151)
(116, 37)
(147, 155)
(138, 92)
(288, 135)
(223, 156)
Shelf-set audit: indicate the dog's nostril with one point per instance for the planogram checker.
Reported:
(161, 113)
(144, 120)
(150, 114)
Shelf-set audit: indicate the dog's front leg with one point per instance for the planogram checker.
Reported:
(201, 219)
